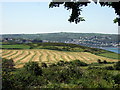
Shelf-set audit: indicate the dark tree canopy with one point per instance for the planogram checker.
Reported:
(76, 8)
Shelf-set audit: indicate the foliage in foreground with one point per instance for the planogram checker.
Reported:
(60, 76)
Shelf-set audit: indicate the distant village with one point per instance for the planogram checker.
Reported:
(90, 42)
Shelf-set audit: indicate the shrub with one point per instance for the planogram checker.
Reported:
(52, 65)
(62, 75)
(69, 73)
(94, 67)
(78, 63)
(117, 65)
(23, 78)
(105, 62)
(117, 78)
(44, 65)
(99, 61)
(37, 82)
(60, 63)
(7, 68)
(109, 68)
(33, 68)
(72, 63)
(8, 64)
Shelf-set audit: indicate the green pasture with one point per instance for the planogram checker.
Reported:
(110, 55)
(17, 46)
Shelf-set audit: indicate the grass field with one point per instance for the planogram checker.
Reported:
(61, 47)
(110, 55)
(15, 46)
(20, 57)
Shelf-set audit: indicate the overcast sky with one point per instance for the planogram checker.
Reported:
(37, 17)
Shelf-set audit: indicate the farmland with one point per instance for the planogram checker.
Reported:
(60, 47)
(16, 46)
(20, 57)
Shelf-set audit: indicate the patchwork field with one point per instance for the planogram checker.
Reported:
(20, 57)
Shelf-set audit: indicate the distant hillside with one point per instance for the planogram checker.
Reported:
(62, 36)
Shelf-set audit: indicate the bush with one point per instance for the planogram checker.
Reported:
(33, 68)
(52, 65)
(109, 68)
(78, 63)
(69, 73)
(72, 63)
(99, 61)
(8, 64)
(117, 65)
(60, 63)
(44, 65)
(117, 78)
(38, 82)
(94, 67)
(105, 62)
(62, 74)
(7, 68)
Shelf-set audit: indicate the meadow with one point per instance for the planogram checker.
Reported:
(20, 57)
(15, 46)
(60, 47)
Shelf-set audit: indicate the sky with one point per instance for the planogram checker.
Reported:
(37, 17)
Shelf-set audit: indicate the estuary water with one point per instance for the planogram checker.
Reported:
(112, 49)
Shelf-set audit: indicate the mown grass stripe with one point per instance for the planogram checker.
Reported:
(61, 57)
(86, 60)
(52, 57)
(55, 56)
(67, 55)
(18, 61)
(19, 55)
(3, 51)
(33, 56)
(73, 55)
(85, 55)
(44, 57)
(48, 55)
(12, 54)
(7, 53)
(81, 56)
(41, 54)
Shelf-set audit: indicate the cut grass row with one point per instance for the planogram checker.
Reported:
(9, 57)
(19, 55)
(41, 54)
(18, 61)
(33, 56)
(8, 52)
(54, 56)
(50, 56)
